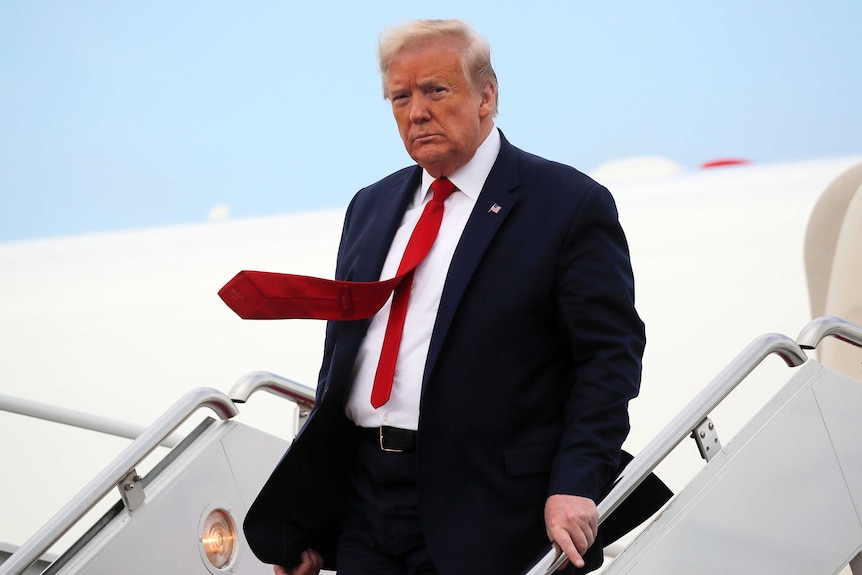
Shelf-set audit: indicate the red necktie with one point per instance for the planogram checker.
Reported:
(265, 295)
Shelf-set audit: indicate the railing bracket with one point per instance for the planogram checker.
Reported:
(706, 438)
(132, 490)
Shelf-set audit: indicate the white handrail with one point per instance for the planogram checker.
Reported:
(80, 419)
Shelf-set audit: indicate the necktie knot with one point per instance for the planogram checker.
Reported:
(442, 188)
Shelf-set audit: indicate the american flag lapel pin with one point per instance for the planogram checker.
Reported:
(495, 209)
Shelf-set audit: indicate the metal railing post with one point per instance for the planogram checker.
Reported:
(828, 325)
(302, 395)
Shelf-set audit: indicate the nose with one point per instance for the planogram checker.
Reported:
(418, 109)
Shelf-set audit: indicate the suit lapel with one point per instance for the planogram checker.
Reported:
(496, 201)
(388, 213)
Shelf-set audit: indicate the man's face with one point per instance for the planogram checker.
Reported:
(442, 119)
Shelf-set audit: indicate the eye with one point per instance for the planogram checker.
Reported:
(438, 91)
(398, 98)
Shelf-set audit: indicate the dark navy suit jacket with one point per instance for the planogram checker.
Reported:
(534, 356)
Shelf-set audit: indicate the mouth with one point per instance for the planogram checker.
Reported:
(423, 137)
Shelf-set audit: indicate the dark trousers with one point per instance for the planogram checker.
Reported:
(382, 534)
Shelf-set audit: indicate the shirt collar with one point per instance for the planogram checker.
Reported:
(470, 178)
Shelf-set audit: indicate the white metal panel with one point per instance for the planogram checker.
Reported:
(840, 400)
(252, 456)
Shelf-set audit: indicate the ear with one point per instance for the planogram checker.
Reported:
(488, 93)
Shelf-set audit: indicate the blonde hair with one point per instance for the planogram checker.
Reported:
(475, 50)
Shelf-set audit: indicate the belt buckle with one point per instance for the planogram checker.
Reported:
(383, 447)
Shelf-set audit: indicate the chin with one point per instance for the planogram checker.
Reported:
(432, 162)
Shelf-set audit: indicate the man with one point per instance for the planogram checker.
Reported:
(518, 355)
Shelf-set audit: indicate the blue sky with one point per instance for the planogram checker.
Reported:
(117, 115)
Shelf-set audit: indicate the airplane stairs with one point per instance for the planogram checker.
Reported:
(784, 496)
(185, 515)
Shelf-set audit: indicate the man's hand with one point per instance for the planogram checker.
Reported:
(311, 564)
(572, 524)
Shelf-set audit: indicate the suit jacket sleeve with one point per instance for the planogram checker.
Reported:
(595, 298)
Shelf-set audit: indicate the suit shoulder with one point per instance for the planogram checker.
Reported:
(560, 184)
(541, 168)
(393, 181)
(386, 190)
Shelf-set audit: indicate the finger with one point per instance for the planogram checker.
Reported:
(316, 560)
(594, 528)
(588, 528)
(309, 564)
(558, 552)
(572, 543)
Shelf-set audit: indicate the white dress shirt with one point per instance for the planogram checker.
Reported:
(402, 409)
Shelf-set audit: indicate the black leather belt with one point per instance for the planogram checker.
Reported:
(391, 439)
